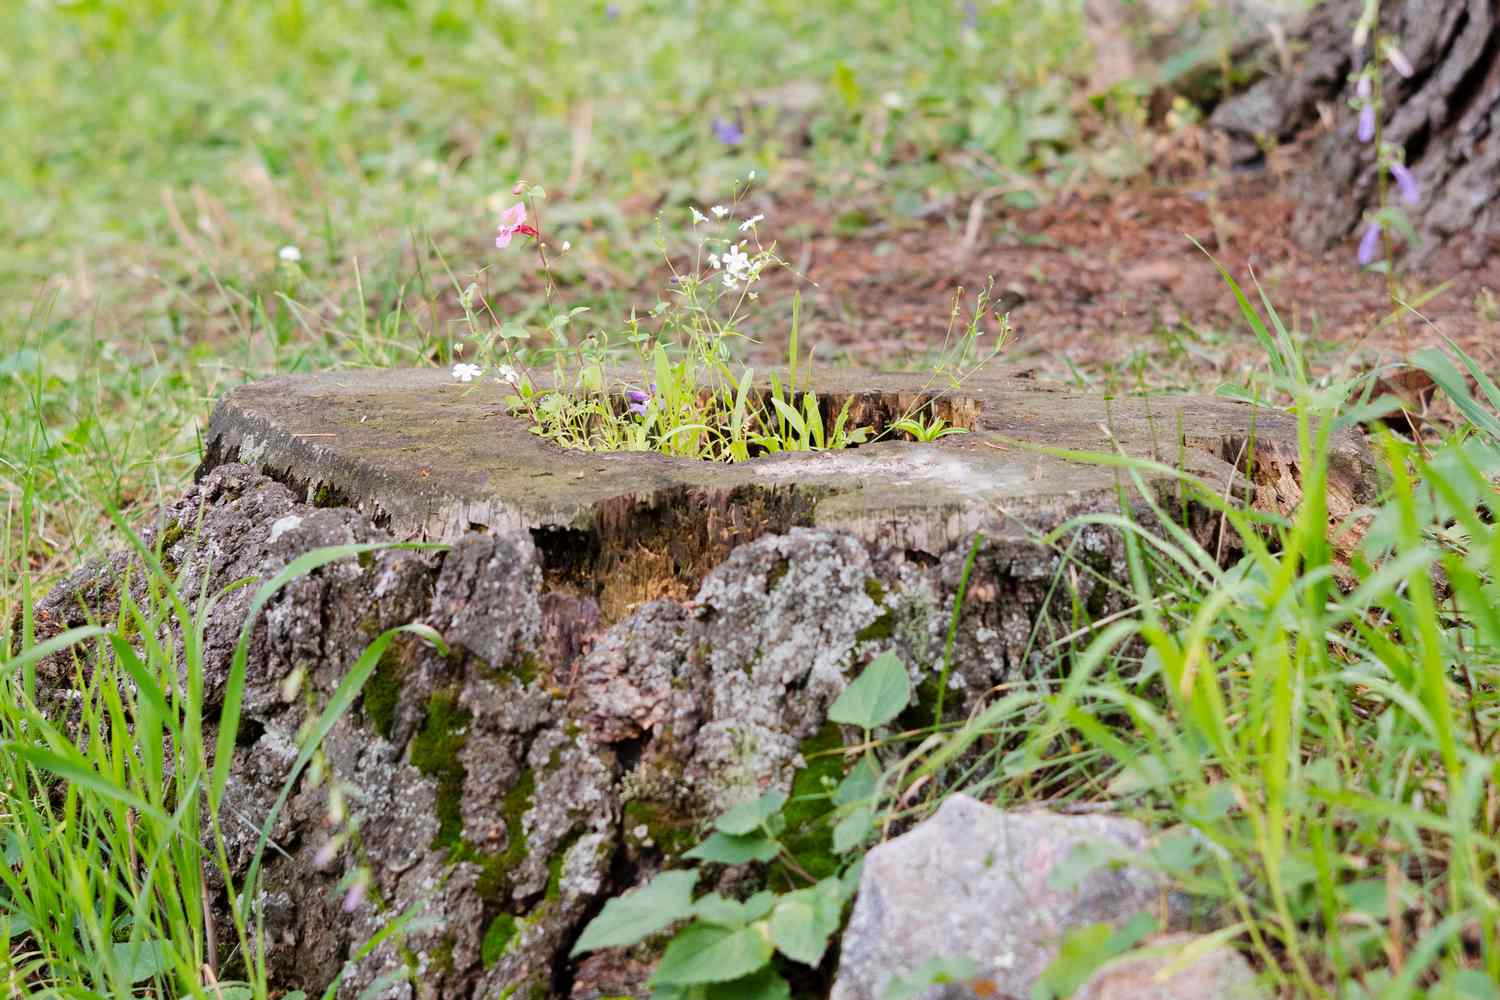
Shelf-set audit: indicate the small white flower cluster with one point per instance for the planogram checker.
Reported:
(738, 266)
(465, 372)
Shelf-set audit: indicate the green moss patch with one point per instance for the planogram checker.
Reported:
(383, 691)
(497, 938)
(435, 752)
(668, 833)
(809, 835)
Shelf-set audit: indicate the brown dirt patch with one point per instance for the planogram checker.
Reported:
(1111, 281)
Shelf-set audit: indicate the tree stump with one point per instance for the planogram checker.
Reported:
(1446, 116)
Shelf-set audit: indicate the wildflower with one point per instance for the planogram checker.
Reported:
(327, 853)
(612, 11)
(638, 400)
(737, 266)
(289, 254)
(698, 217)
(749, 223)
(1411, 193)
(713, 260)
(1369, 245)
(1399, 61)
(750, 176)
(1367, 123)
(971, 15)
(511, 223)
(566, 246)
(506, 373)
(466, 372)
(728, 132)
(719, 211)
(356, 894)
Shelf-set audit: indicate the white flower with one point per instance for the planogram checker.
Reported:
(749, 223)
(737, 266)
(289, 254)
(567, 246)
(752, 176)
(458, 348)
(713, 260)
(466, 372)
(719, 211)
(698, 217)
(508, 374)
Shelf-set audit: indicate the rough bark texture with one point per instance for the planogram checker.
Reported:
(546, 763)
(1446, 117)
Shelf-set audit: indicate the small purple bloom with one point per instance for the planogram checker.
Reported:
(1369, 245)
(612, 11)
(355, 896)
(971, 15)
(1367, 123)
(638, 400)
(1362, 86)
(1411, 193)
(728, 132)
(1400, 62)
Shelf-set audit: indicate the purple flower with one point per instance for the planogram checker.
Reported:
(638, 400)
(728, 132)
(356, 895)
(971, 15)
(612, 11)
(1367, 123)
(1369, 245)
(1411, 193)
(1363, 87)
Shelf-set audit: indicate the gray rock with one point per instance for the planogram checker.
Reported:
(1166, 969)
(974, 882)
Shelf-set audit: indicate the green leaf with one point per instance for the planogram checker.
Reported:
(1085, 949)
(767, 984)
(876, 697)
(845, 84)
(635, 916)
(859, 784)
(804, 920)
(716, 909)
(940, 970)
(853, 830)
(703, 953)
(143, 960)
(729, 849)
(749, 817)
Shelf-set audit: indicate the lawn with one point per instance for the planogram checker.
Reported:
(203, 192)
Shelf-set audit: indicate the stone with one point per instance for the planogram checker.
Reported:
(978, 883)
(634, 643)
(1175, 967)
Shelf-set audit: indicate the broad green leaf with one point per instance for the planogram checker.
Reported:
(703, 953)
(729, 849)
(767, 984)
(804, 920)
(142, 960)
(716, 909)
(635, 916)
(876, 696)
(853, 830)
(1085, 949)
(859, 784)
(940, 970)
(748, 817)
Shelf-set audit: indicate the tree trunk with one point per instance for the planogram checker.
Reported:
(1446, 116)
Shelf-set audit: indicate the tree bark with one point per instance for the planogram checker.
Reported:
(1446, 116)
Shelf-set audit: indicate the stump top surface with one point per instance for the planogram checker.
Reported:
(424, 455)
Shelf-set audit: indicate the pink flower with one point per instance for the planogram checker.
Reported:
(511, 223)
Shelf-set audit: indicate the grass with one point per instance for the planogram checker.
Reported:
(160, 153)
(1313, 724)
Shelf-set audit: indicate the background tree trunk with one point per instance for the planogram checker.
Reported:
(1446, 116)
